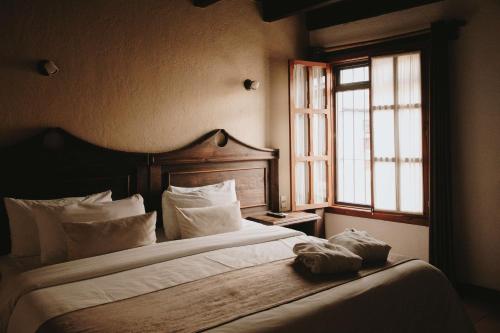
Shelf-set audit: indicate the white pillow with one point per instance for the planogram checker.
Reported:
(228, 185)
(199, 198)
(204, 221)
(99, 237)
(23, 229)
(49, 219)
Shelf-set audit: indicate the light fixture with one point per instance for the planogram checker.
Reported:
(251, 85)
(47, 67)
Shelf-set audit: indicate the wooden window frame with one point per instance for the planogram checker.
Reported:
(363, 54)
(329, 139)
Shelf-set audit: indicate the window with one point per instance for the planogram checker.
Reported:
(378, 137)
(311, 140)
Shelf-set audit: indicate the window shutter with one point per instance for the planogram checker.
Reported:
(310, 134)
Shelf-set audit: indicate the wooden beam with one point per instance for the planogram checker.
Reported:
(273, 10)
(353, 10)
(204, 3)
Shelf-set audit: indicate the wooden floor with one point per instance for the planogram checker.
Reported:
(484, 311)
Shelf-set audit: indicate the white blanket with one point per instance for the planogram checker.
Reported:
(38, 295)
(415, 294)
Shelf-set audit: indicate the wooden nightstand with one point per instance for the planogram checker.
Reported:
(302, 221)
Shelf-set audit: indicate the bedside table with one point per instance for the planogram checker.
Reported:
(302, 221)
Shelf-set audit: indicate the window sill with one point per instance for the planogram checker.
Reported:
(386, 216)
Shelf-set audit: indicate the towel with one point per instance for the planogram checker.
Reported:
(326, 258)
(361, 243)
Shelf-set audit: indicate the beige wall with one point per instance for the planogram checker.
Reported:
(145, 75)
(476, 125)
(406, 239)
(476, 133)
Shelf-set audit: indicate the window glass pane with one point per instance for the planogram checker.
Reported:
(300, 79)
(411, 191)
(384, 185)
(318, 88)
(301, 183)
(409, 118)
(353, 75)
(301, 134)
(383, 134)
(410, 133)
(320, 181)
(409, 88)
(382, 82)
(319, 128)
(353, 169)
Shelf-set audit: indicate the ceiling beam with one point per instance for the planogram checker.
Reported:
(353, 10)
(273, 10)
(204, 3)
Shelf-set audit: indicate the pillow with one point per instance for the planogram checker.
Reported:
(198, 198)
(228, 185)
(362, 244)
(99, 237)
(204, 221)
(23, 230)
(49, 219)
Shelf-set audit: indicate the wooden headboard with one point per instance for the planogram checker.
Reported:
(215, 157)
(56, 164)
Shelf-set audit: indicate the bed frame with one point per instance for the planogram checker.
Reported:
(56, 164)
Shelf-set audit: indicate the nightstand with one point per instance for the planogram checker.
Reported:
(302, 221)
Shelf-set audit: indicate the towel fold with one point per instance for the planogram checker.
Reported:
(361, 243)
(326, 258)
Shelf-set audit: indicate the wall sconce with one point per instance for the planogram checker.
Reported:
(47, 67)
(251, 85)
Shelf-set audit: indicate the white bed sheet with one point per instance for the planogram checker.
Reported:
(34, 296)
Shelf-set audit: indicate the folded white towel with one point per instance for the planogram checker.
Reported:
(362, 244)
(326, 258)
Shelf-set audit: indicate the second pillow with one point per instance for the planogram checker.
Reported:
(205, 221)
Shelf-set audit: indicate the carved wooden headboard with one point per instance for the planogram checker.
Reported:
(56, 164)
(215, 157)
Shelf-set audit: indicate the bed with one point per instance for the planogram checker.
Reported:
(241, 281)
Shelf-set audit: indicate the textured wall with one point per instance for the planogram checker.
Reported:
(406, 239)
(143, 74)
(476, 133)
(476, 125)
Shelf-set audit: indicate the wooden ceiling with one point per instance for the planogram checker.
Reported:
(325, 13)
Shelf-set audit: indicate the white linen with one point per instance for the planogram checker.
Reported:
(100, 237)
(228, 185)
(403, 290)
(42, 293)
(362, 244)
(326, 258)
(199, 198)
(205, 221)
(23, 228)
(49, 218)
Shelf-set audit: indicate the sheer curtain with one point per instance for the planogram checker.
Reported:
(300, 79)
(397, 133)
(319, 128)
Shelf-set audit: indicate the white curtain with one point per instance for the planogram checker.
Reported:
(300, 79)
(301, 134)
(397, 133)
(320, 179)
(319, 127)
(318, 88)
(301, 183)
